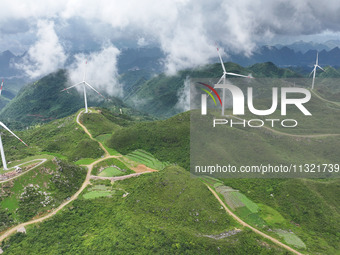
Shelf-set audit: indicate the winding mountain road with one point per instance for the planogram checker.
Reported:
(86, 182)
(74, 196)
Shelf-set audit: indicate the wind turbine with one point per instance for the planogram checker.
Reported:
(223, 79)
(84, 83)
(2, 83)
(314, 69)
(2, 148)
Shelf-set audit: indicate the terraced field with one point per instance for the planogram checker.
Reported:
(147, 159)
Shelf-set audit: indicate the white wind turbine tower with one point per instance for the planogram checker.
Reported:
(84, 83)
(4, 164)
(224, 78)
(314, 69)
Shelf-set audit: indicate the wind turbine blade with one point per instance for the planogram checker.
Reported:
(223, 67)
(321, 68)
(311, 72)
(94, 89)
(240, 75)
(4, 126)
(317, 58)
(72, 86)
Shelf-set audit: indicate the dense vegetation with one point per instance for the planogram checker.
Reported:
(63, 138)
(311, 205)
(43, 101)
(159, 95)
(39, 190)
(91, 121)
(168, 212)
(164, 213)
(167, 140)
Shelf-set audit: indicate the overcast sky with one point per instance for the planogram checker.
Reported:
(186, 30)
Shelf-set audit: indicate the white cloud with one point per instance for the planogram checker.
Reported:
(142, 42)
(101, 70)
(186, 30)
(46, 55)
(183, 95)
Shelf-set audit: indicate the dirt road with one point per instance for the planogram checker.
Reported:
(73, 197)
(89, 134)
(252, 228)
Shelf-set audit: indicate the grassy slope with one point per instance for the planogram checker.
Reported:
(296, 200)
(159, 95)
(165, 213)
(57, 178)
(98, 124)
(63, 138)
(311, 204)
(167, 140)
(42, 101)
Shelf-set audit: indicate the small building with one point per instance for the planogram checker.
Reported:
(21, 230)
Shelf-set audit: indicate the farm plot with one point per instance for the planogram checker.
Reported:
(98, 191)
(110, 168)
(242, 205)
(147, 159)
(291, 238)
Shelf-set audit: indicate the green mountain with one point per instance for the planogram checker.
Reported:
(159, 95)
(42, 101)
(269, 69)
(168, 211)
(309, 208)
(163, 213)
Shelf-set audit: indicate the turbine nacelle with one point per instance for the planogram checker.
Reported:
(84, 83)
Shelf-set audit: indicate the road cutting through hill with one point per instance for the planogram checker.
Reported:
(86, 182)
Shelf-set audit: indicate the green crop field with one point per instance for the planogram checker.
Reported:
(246, 201)
(147, 159)
(111, 167)
(291, 238)
(238, 202)
(96, 191)
(111, 172)
(271, 216)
